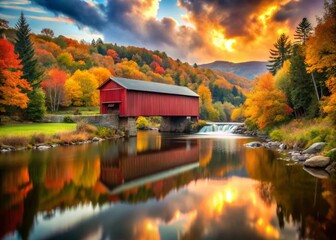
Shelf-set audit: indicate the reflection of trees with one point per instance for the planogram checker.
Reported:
(298, 195)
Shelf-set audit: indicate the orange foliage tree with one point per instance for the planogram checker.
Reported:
(321, 55)
(11, 84)
(53, 86)
(265, 105)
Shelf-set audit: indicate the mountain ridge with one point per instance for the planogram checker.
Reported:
(249, 69)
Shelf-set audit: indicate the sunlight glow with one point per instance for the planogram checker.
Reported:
(267, 15)
(220, 41)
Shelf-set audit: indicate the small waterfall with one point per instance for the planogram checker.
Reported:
(219, 128)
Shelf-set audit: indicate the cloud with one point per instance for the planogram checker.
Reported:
(52, 19)
(23, 8)
(238, 30)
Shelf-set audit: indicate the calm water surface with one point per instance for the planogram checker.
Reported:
(162, 187)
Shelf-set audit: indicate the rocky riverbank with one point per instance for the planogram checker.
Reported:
(312, 160)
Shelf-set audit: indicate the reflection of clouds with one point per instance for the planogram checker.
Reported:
(204, 210)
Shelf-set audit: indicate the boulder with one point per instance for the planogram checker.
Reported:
(96, 139)
(253, 144)
(331, 169)
(300, 157)
(317, 161)
(44, 147)
(283, 146)
(319, 173)
(314, 148)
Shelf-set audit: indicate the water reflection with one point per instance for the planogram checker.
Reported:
(162, 187)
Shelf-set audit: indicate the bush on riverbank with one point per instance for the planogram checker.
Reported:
(302, 133)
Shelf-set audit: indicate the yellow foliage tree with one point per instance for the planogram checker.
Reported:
(321, 55)
(265, 105)
(88, 86)
(73, 92)
(101, 74)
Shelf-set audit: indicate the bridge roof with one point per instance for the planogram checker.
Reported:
(144, 86)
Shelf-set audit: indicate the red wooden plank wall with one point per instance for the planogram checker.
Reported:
(139, 103)
(156, 104)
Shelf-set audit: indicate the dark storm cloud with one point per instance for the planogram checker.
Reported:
(233, 15)
(79, 11)
(294, 10)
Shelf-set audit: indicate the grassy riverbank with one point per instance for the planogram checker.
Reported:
(28, 135)
(33, 128)
(302, 133)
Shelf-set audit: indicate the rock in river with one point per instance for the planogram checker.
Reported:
(317, 161)
(253, 144)
(314, 148)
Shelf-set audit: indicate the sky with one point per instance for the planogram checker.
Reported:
(198, 31)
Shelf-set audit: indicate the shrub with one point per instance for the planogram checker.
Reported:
(196, 126)
(39, 138)
(15, 141)
(332, 155)
(85, 127)
(277, 135)
(142, 123)
(68, 119)
(36, 106)
(105, 132)
(71, 137)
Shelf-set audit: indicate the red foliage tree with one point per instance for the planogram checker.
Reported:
(53, 86)
(11, 84)
(112, 53)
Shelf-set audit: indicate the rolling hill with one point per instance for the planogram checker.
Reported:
(247, 70)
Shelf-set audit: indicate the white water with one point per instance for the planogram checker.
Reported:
(219, 128)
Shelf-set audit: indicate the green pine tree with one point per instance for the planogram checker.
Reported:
(24, 47)
(301, 86)
(303, 31)
(281, 53)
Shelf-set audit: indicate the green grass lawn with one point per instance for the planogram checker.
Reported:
(83, 111)
(29, 129)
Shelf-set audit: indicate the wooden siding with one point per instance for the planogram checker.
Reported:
(154, 104)
(139, 103)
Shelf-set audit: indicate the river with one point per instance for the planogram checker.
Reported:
(162, 186)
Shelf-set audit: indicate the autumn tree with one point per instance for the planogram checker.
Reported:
(47, 32)
(53, 86)
(112, 53)
(207, 111)
(280, 54)
(265, 105)
(101, 74)
(12, 87)
(303, 31)
(87, 85)
(321, 55)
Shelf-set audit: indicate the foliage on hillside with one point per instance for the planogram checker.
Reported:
(86, 65)
(304, 82)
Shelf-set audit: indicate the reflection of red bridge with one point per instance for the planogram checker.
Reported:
(124, 169)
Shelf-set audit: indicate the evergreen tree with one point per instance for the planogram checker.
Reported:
(301, 87)
(303, 31)
(24, 47)
(280, 54)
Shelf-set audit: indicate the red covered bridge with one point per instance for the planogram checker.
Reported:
(130, 99)
(134, 98)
